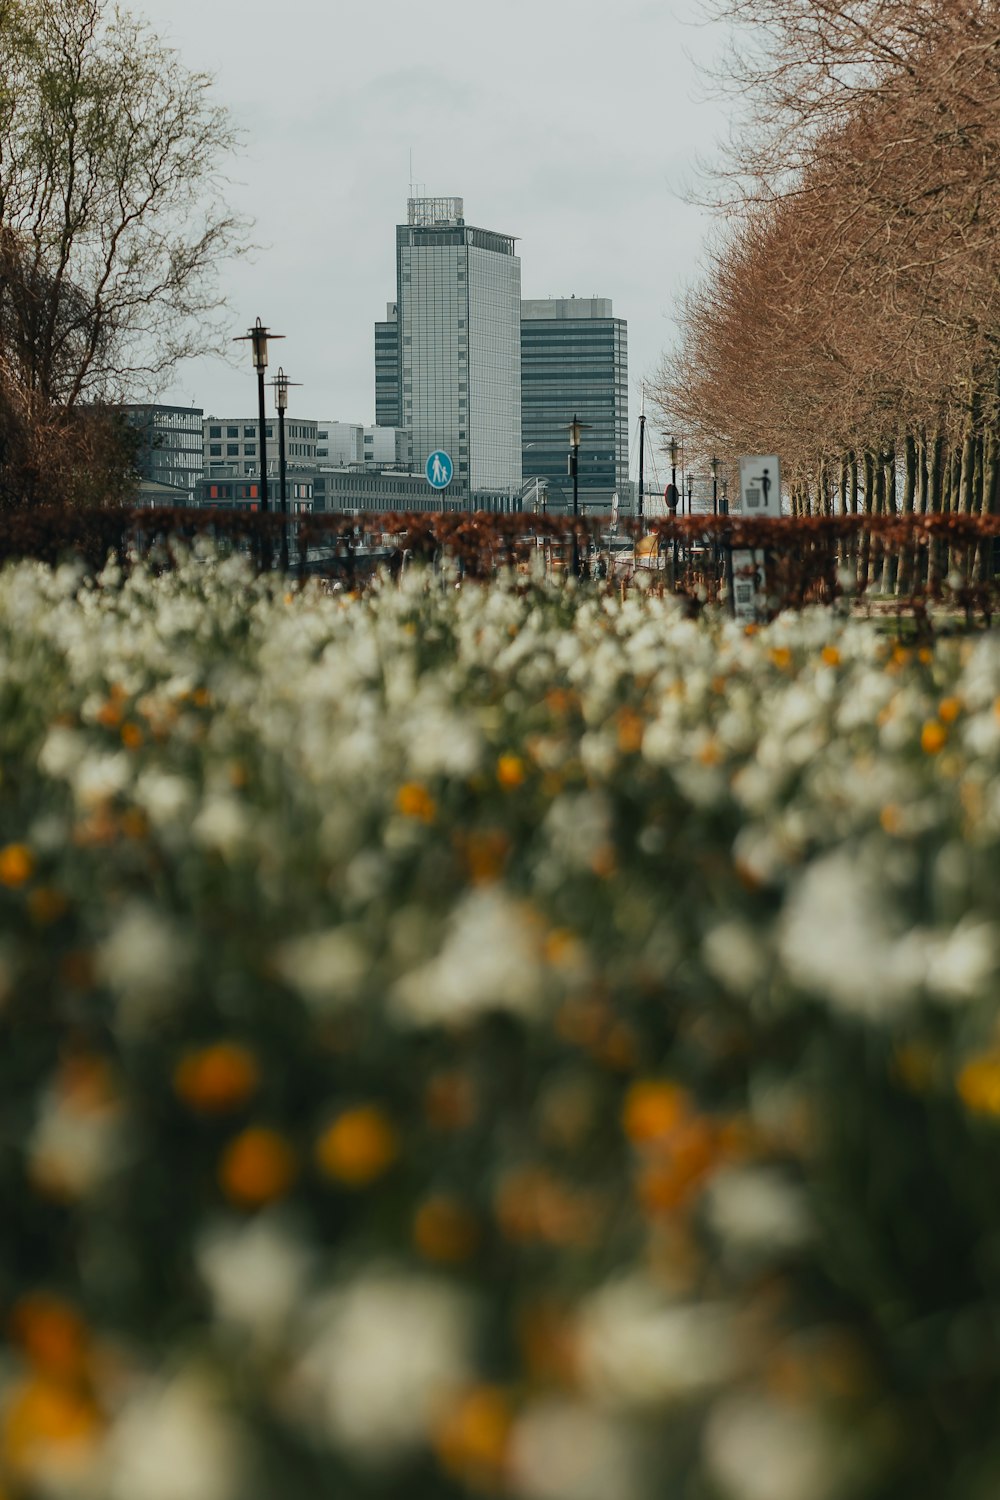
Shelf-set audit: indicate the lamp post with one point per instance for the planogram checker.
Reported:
(257, 337)
(690, 491)
(281, 383)
(715, 486)
(574, 429)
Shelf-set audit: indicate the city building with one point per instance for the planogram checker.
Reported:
(388, 412)
(169, 454)
(574, 362)
(457, 338)
(353, 489)
(235, 492)
(231, 445)
(380, 447)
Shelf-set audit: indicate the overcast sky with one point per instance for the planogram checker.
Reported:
(575, 126)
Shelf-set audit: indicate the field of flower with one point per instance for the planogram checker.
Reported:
(498, 1040)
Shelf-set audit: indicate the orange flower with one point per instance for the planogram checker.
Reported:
(979, 1084)
(413, 800)
(52, 1335)
(533, 1206)
(17, 865)
(890, 819)
(132, 736)
(671, 1179)
(653, 1109)
(48, 1425)
(46, 905)
(510, 772)
(257, 1167)
(358, 1147)
(630, 731)
(217, 1079)
(933, 737)
(472, 1437)
(949, 710)
(782, 657)
(445, 1231)
(484, 853)
(830, 656)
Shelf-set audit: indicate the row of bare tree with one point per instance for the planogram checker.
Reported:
(849, 317)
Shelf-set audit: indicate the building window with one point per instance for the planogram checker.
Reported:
(232, 450)
(215, 450)
(249, 432)
(250, 449)
(232, 432)
(215, 432)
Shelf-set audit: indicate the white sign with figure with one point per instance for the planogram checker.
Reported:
(760, 486)
(748, 585)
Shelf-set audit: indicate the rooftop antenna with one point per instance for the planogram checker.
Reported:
(411, 172)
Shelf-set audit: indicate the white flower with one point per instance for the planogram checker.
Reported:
(565, 1450)
(388, 1348)
(222, 824)
(176, 1440)
(962, 964)
(144, 959)
(735, 954)
(638, 1348)
(758, 1450)
(255, 1273)
(837, 940)
(756, 1209)
(327, 968)
(164, 796)
(489, 960)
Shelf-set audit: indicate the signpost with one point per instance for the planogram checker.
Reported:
(760, 495)
(438, 469)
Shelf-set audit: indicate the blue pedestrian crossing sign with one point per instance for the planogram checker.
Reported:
(438, 469)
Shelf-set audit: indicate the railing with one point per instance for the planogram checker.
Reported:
(887, 562)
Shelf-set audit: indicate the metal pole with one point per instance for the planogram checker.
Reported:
(263, 443)
(642, 453)
(282, 480)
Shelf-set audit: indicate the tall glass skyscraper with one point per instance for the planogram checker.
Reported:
(458, 310)
(574, 362)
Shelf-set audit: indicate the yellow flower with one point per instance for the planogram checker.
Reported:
(218, 1078)
(949, 710)
(653, 1108)
(979, 1084)
(413, 800)
(358, 1147)
(17, 865)
(933, 737)
(52, 1335)
(782, 657)
(510, 772)
(831, 656)
(445, 1231)
(472, 1437)
(257, 1167)
(48, 1425)
(132, 735)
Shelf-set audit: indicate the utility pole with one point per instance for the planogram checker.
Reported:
(642, 447)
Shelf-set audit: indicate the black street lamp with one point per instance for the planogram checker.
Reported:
(690, 491)
(257, 337)
(715, 486)
(281, 383)
(574, 429)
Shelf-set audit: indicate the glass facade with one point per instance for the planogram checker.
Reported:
(574, 361)
(387, 411)
(170, 446)
(458, 300)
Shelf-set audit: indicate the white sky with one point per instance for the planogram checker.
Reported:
(574, 126)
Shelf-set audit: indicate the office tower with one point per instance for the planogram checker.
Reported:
(387, 412)
(169, 448)
(574, 362)
(458, 295)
